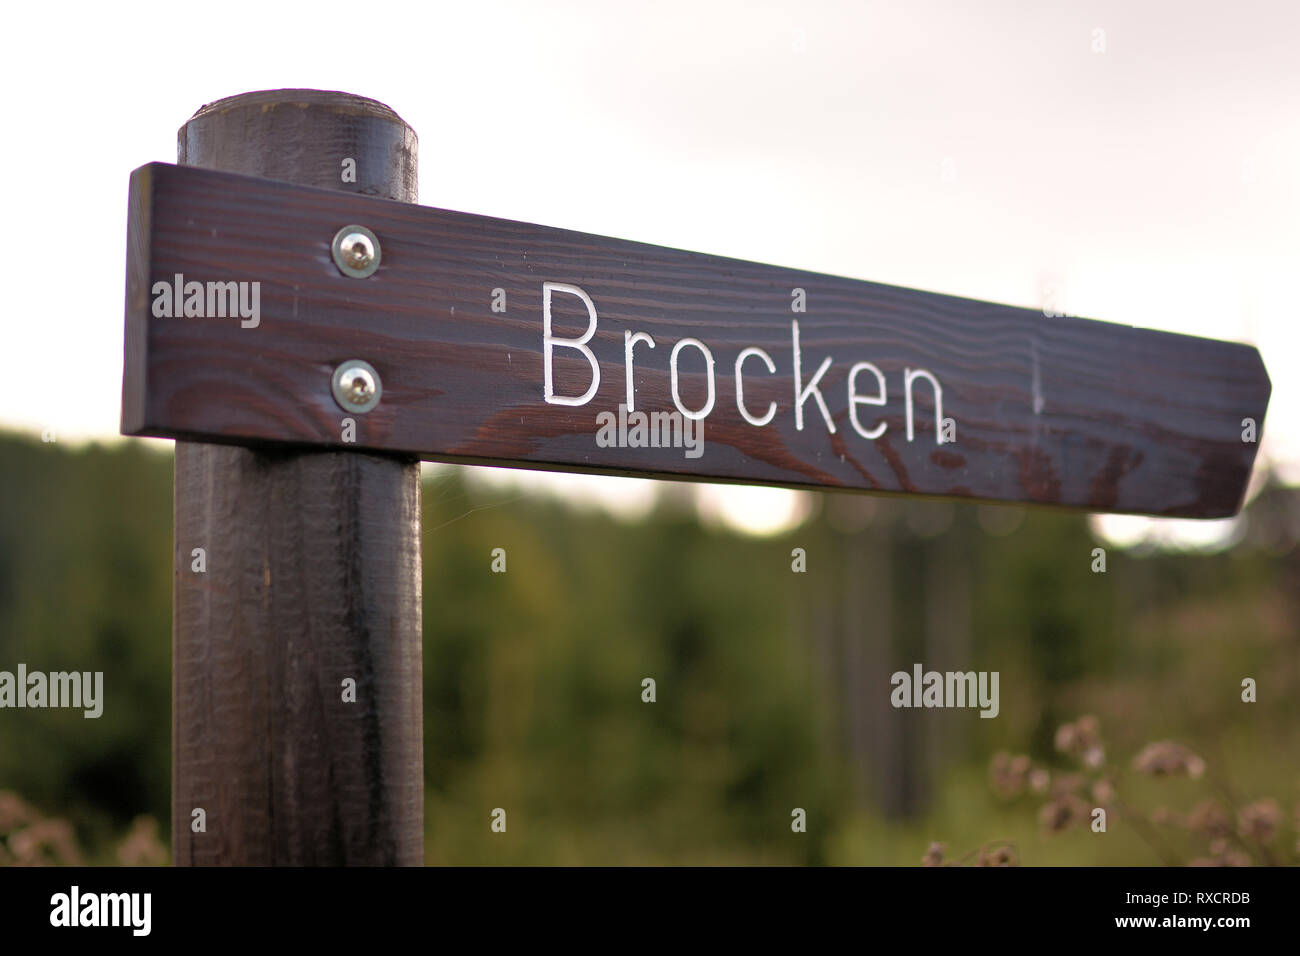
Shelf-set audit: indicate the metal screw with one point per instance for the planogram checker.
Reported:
(356, 386)
(356, 251)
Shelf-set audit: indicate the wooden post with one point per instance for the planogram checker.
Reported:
(311, 572)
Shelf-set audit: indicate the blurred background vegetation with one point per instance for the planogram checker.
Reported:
(772, 687)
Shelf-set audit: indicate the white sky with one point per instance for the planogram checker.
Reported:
(1154, 184)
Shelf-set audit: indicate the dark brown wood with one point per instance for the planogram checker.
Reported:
(312, 574)
(1066, 412)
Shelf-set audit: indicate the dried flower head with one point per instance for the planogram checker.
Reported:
(14, 812)
(1259, 821)
(1062, 812)
(45, 842)
(1008, 775)
(997, 854)
(1066, 738)
(1082, 739)
(1209, 817)
(141, 846)
(1167, 758)
(1039, 780)
(934, 855)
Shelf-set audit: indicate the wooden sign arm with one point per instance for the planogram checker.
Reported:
(506, 343)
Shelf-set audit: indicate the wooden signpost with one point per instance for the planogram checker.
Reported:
(800, 379)
(293, 320)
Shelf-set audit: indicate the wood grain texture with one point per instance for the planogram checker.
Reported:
(1065, 412)
(312, 575)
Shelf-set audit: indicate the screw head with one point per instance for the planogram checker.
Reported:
(356, 251)
(356, 386)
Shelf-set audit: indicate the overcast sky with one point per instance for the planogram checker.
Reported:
(1141, 159)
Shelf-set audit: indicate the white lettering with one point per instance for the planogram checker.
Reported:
(740, 386)
(580, 343)
(855, 399)
(672, 364)
(908, 376)
(630, 339)
(800, 392)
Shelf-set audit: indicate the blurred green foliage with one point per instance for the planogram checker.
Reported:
(769, 683)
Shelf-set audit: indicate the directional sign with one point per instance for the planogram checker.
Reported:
(261, 312)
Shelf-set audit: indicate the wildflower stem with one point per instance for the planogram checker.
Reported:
(1146, 835)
